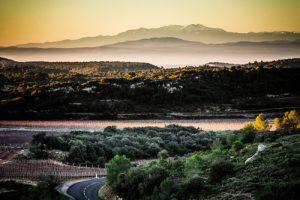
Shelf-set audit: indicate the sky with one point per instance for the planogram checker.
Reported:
(29, 21)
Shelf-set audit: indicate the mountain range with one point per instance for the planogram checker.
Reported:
(193, 32)
(164, 51)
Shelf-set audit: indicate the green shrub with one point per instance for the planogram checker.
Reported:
(163, 154)
(220, 168)
(237, 145)
(247, 136)
(164, 191)
(282, 191)
(110, 129)
(193, 186)
(268, 136)
(194, 164)
(217, 144)
(45, 191)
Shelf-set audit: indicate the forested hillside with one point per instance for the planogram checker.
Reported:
(88, 68)
(58, 89)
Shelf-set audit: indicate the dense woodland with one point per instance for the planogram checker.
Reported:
(57, 90)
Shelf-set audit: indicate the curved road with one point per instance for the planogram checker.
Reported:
(86, 190)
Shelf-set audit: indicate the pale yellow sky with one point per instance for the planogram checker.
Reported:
(25, 21)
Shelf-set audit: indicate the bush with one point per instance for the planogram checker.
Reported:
(164, 191)
(268, 136)
(163, 154)
(217, 144)
(193, 187)
(45, 191)
(110, 129)
(247, 136)
(273, 191)
(194, 164)
(139, 182)
(220, 168)
(13, 190)
(237, 145)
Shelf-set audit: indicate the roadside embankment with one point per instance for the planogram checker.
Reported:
(106, 193)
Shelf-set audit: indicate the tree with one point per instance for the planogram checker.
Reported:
(117, 165)
(277, 123)
(78, 153)
(39, 138)
(260, 124)
(38, 151)
(289, 122)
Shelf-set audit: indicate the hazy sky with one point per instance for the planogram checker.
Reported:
(24, 21)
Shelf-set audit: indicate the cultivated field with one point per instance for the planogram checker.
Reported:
(38, 169)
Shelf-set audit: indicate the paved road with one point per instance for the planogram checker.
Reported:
(86, 190)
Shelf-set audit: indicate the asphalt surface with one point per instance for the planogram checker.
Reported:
(86, 190)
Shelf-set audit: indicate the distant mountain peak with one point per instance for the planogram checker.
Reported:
(164, 39)
(200, 27)
(172, 27)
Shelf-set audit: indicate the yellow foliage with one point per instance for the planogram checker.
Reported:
(248, 126)
(289, 122)
(261, 123)
(277, 123)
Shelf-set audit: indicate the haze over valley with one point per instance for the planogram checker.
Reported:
(166, 46)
